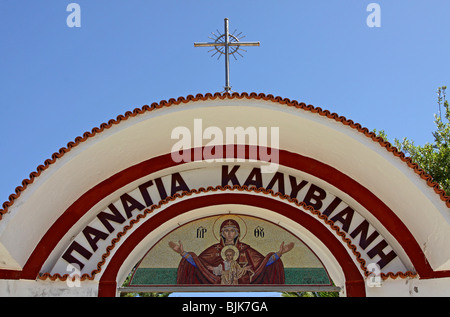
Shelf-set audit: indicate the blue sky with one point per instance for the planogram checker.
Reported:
(57, 82)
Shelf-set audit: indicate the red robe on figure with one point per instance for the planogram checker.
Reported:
(267, 269)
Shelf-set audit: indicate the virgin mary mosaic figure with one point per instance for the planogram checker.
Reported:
(230, 262)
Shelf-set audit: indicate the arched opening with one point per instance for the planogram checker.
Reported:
(161, 272)
(354, 281)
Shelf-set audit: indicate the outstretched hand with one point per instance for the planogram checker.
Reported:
(285, 248)
(178, 248)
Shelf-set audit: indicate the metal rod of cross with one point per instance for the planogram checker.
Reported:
(226, 44)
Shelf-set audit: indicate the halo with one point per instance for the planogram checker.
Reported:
(232, 247)
(239, 220)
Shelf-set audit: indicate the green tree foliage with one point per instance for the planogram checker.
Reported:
(433, 158)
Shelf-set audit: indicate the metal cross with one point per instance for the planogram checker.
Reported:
(226, 44)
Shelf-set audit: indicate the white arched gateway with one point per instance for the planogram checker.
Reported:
(317, 202)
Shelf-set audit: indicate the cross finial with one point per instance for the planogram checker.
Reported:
(226, 44)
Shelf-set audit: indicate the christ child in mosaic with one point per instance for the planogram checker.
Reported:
(229, 270)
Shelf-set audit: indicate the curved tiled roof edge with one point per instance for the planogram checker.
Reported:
(209, 96)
